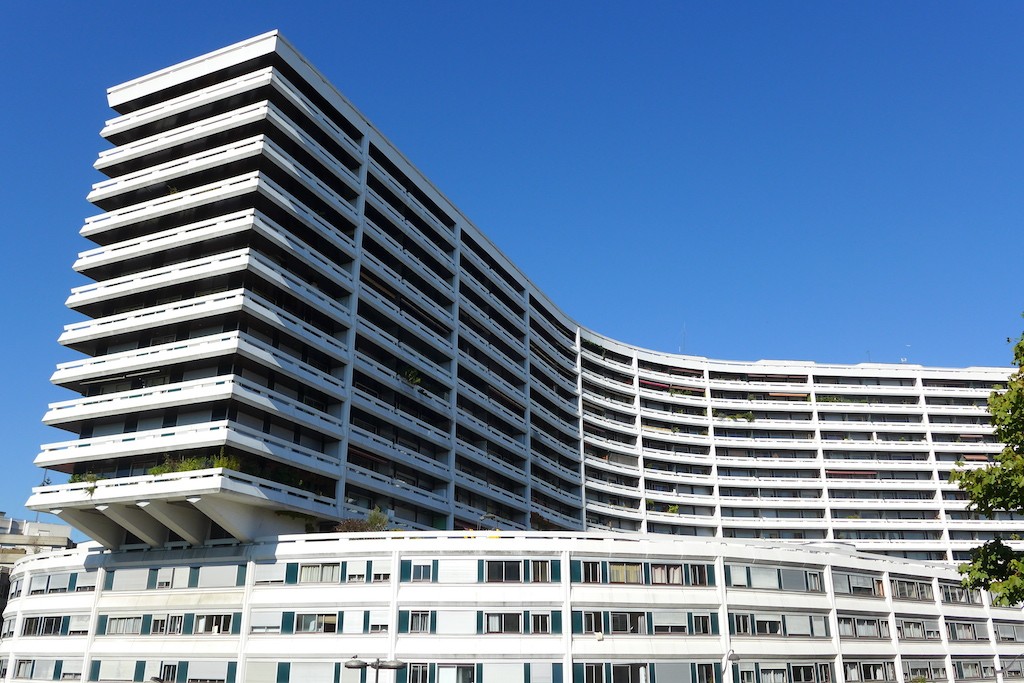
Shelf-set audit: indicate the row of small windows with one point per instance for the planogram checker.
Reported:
(496, 571)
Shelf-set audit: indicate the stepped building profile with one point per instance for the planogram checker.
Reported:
(288, 326)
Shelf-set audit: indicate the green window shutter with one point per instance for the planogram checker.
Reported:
(527, 626)
(689, 622)
(526, 672)
(402, 675)
(147, 624)
(556, 571)
(433, 571)
(140, 671)
(406, 571)
(193, 577)
(479, 571)
(527, 578)
(58, 666)
(693, 671)
(283, 672)
(182, 676)
(728, 575)
(714, 623)
(94, 670)
(291, 573)
(649, 624)
(479, 672)
(151, 579)
(578, 675)
(288, 622)
(341, 621)
(647, 573)
(232, 672)
(101, 624)
(479, 622)
(236, 623)
(732, 624)
(403, 621)
(188, 623)
(606, 623)
(366, 622)
(718, 672)
(607, 671)
(575, 571)
(577, 621)
(556, 622)
(556, 672)
(65, 625)
(433, 621)
(604, 576)
(711, 575)
(240, 576)
(108, 580)
(431, 673)
(337, 670)
(73, 582)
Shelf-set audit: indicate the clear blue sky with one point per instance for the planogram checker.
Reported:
(829, 181)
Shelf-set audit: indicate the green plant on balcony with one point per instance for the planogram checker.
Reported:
(673, 509)
(411, 376)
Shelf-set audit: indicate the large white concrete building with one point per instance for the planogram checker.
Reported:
(289, 325)
(299, 326)
(504, 607)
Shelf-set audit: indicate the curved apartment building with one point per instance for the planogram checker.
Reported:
(288, 325)
(503, 607)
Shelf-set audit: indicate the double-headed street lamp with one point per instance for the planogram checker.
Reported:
(376, 665)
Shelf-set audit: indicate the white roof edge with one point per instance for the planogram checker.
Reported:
(187, 70)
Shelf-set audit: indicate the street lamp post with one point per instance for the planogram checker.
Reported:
(376, 665)
(728, 661)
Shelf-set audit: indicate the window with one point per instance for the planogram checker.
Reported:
(378, 621)
(702, 624)
(862, 585)
(320, 573)
(670, 622)
(907, 589)
(356, 571)
(953, 593)
(15, 589)
(316, 623)
(8, 628)
(456, 673)
(172, 577)
(803, 673)
(39, 626)
(540, 571)
(381, 570)
(593, 673)
(625, 572)
(629, 622)
(421, 572)
(504, 622)
(667, 574)
(591, 572)
(768, 625)
(418, 673)
(504, 571)
(965, 630)
(773, 675)
(592, 622)
(705, 673)
(930, 669)
(213, 623)
(540, 622)
(699, 575)
(170, 624)
(869, 671)
(741, 624)
(629, 673)
(419, 622)
(122, 625)
(1010, 632)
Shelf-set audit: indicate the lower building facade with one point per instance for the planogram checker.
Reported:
(502, 607)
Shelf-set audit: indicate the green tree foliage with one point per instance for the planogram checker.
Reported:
(375, 521)
(1000, 488)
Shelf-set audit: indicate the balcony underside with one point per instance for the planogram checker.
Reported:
(158, 509)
